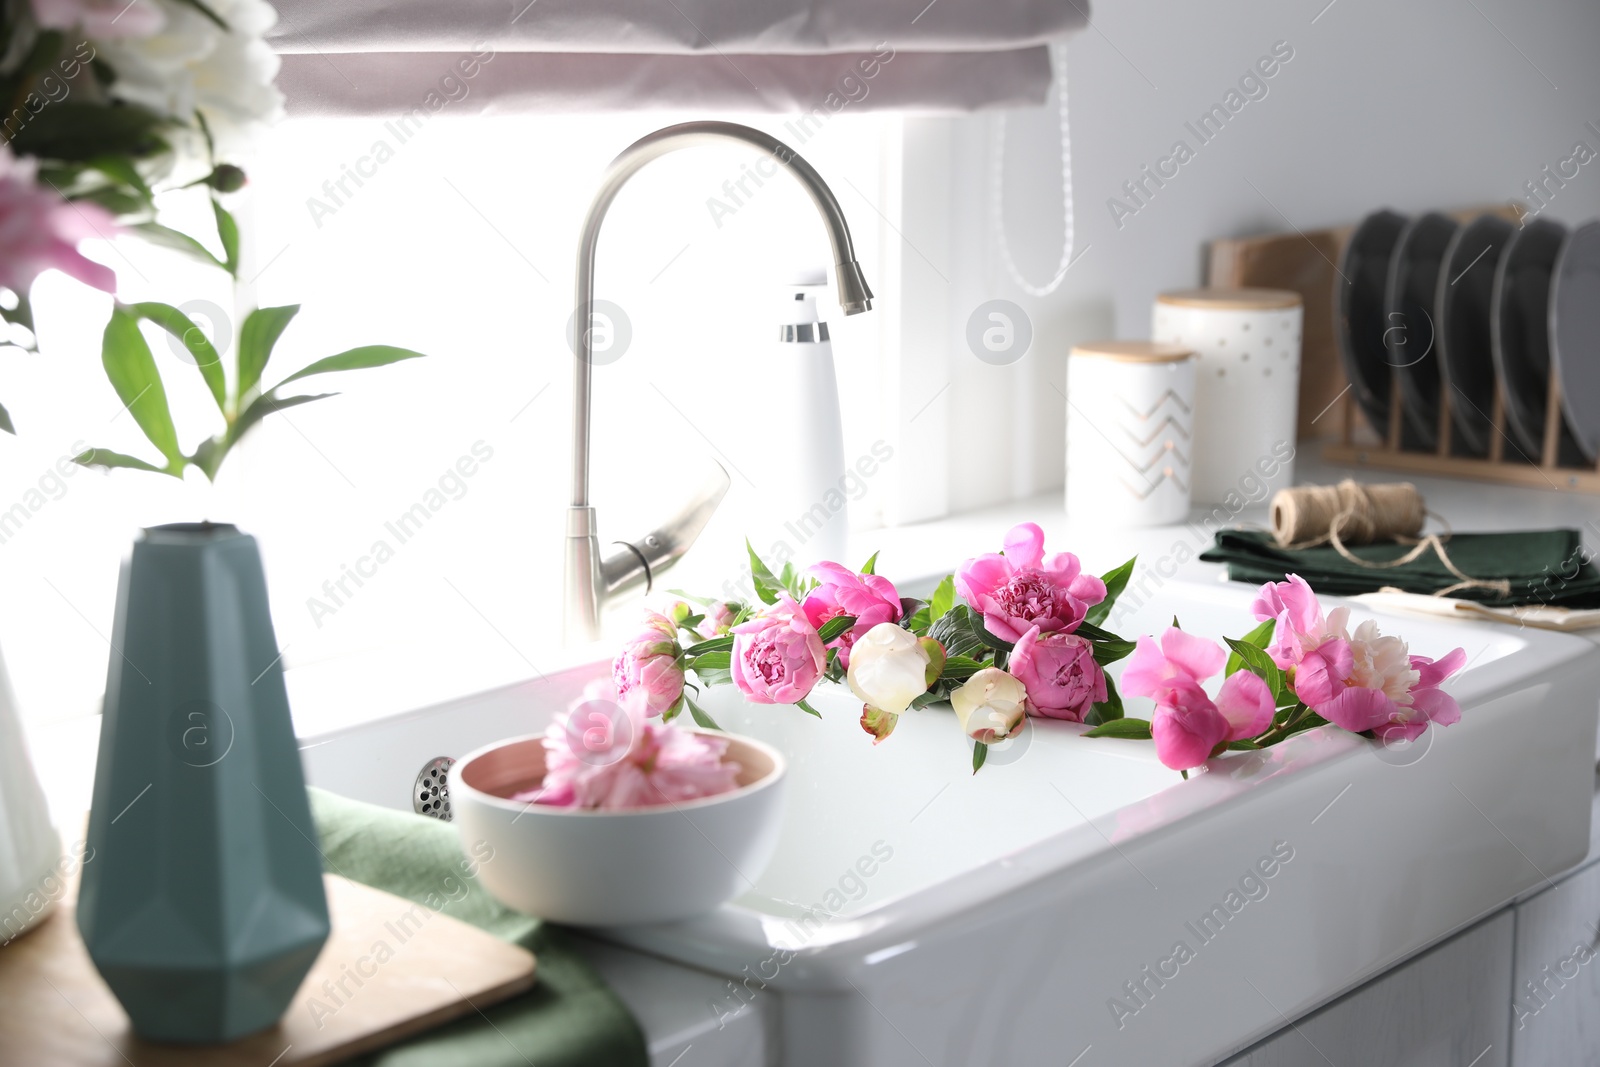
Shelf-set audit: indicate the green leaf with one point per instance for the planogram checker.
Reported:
(1260, 637)
(767, 587)
(177, 241)
(944, 598)
(715, 644)
(1260, 664)
(807, 708)
(980, 752)
(957, 632)
(1116, 580)
(21, 315)
(355, 359)
(257, 338)
(1243, 746)
(120, 169)
(699, 714)
(1109, 709)
(1095, 633)
(5, 421)
(117, 200)
(79, 131)
(228, 234)
(917, 623)
(208, 455)
(1127, 729)
(960, 668)
(1108, 647)
(836, 626)
(712, 661)
(264, 405)
(871, 565)
(714, 677)
(1110, 651)
(132, 371)
(206, 357)
(107, 459)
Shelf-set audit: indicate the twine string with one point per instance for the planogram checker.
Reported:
(1354, 514)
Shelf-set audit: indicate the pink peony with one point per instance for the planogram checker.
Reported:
(1303, 637)
(1187, 724)
(1059, 671)
(1386, 690)
(101, 19)
(777, 656)
(718, 620)
(624, 760)
(648, 665)
(39, 230)
(1365, 682)
(1025, 588)
(842, 591)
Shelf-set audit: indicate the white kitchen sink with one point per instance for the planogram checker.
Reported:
(916, 913)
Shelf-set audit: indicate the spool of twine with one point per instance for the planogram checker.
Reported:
(1354, 514)
(1309, 515)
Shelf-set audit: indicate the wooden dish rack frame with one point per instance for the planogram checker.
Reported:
(1541, 472)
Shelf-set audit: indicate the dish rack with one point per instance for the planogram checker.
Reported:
(1506, 463)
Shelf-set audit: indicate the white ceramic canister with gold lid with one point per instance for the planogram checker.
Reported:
(1247, 383)
(1129, 414)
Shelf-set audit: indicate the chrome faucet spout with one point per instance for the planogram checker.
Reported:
(590, 580)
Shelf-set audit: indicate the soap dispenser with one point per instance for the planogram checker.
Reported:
(810, 501)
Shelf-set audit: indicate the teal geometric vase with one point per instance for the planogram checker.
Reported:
(204, 908)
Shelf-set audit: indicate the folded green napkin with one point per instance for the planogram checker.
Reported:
(569, 1019)
(1542, 566)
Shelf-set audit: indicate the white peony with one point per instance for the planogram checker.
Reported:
(990, 706)
(192, 65)
(888, 668)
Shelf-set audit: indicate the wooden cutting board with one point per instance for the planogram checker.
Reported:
(55, 1010)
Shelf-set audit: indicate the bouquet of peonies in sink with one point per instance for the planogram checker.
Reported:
(1009, 635)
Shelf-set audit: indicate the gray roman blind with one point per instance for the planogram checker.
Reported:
(495, 56)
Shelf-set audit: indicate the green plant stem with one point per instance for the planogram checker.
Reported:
(1278, 733)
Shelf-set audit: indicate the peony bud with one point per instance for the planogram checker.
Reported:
(226, 178)
(990, 706)
(888, 668)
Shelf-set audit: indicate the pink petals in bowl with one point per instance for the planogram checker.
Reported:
(675, 827)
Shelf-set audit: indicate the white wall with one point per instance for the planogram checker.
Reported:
(1429, 103)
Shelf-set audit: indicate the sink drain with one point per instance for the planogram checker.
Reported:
(431, 796)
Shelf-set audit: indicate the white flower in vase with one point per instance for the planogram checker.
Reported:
(193, 65)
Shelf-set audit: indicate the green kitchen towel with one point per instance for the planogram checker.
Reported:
(568, 1019)
(1543, 566)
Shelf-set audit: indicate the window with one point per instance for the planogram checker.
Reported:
(423, 508)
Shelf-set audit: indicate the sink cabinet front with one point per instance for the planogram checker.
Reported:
(1555, 1005)
(1444, 1008)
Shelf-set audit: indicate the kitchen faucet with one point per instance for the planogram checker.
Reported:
(590, 579)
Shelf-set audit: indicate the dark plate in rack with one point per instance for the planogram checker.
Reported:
(1520, 334)
(1575, 335)
(1463, 304)
(1411, 321)
(1359, 298)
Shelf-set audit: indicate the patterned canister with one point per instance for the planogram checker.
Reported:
(1129, 413)
(1247, 383)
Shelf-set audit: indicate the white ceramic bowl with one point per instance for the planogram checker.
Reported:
(615, 868)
